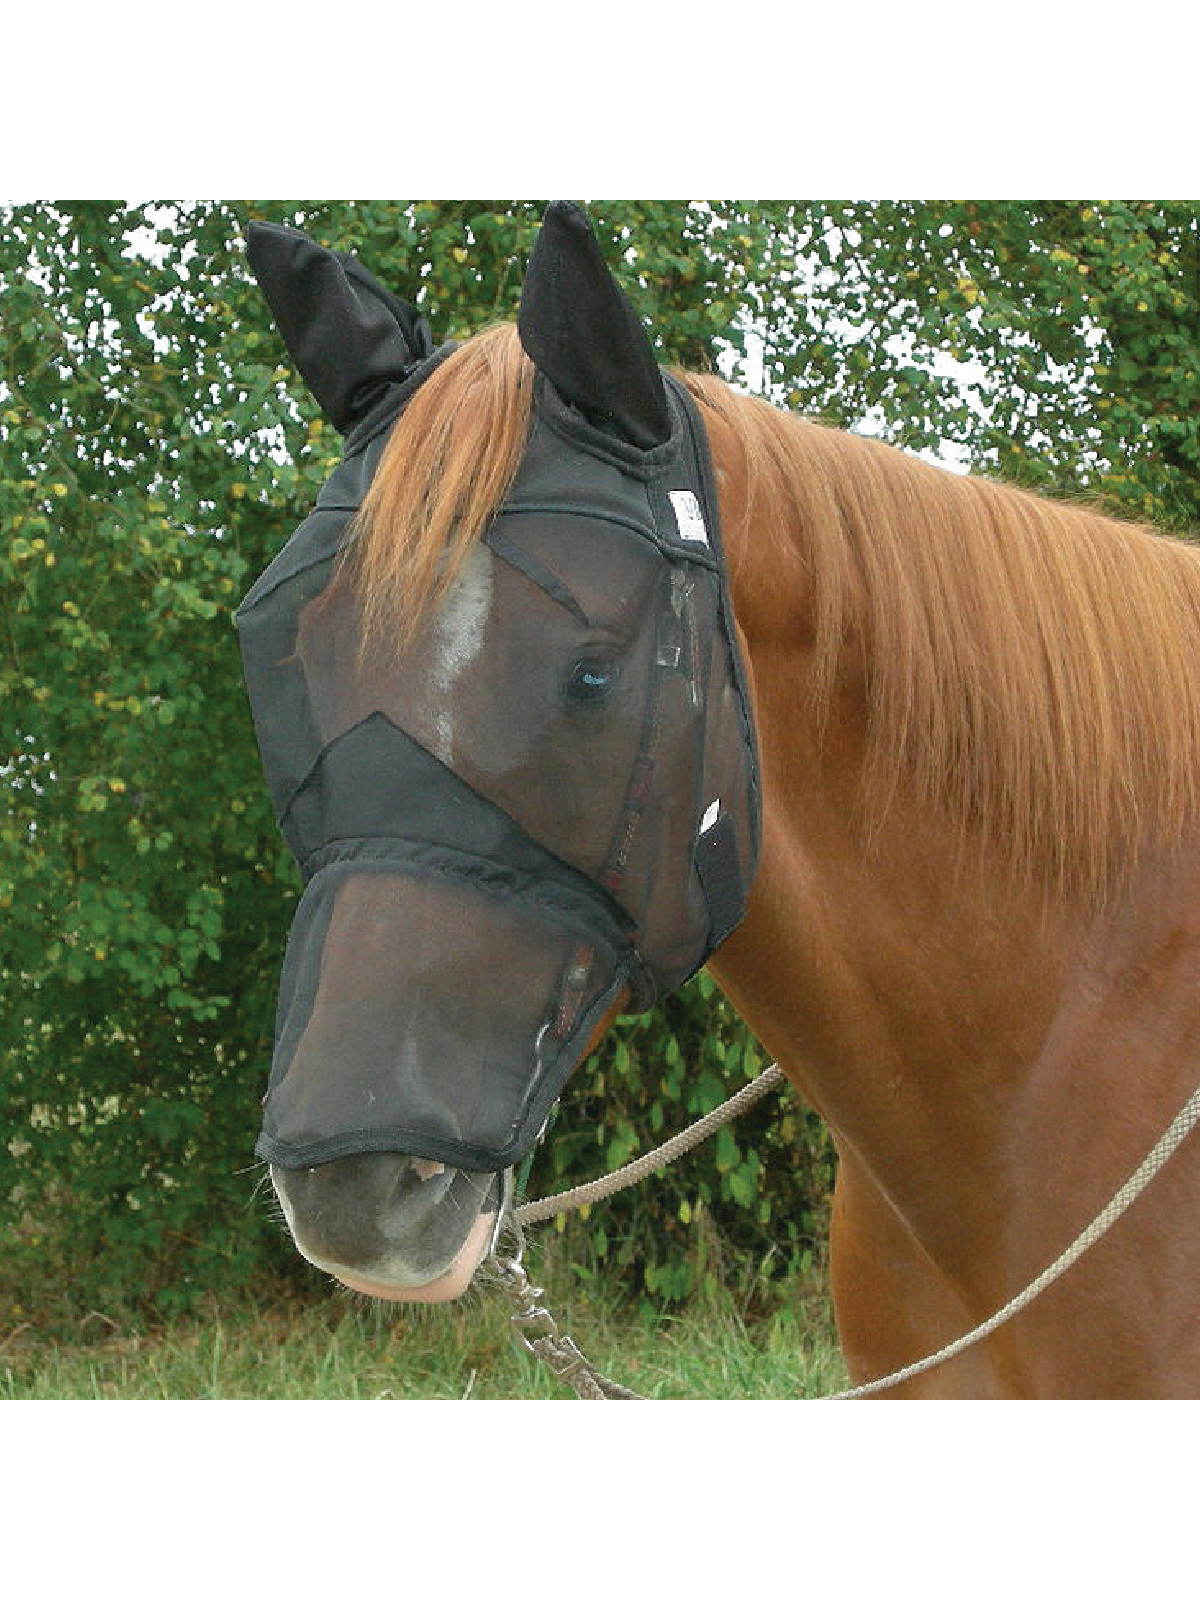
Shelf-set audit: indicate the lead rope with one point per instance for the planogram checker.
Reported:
(534, 1326)
(634, 1171)
(1120, 1202)
(564, 1357)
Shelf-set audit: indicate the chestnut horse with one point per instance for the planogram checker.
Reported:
(973, 940)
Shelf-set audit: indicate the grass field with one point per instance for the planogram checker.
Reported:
(338, 1346)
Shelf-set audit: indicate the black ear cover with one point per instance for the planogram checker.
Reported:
(580, 331)
(350, 338)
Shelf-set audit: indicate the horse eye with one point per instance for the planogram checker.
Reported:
(591, 682)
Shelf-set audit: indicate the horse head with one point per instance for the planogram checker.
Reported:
(497, 692)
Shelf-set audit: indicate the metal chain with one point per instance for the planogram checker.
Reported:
(559, 1352)
(539, 1333)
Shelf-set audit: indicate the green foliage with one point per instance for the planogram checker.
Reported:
(766, 1178)
(135, 851)
(1056, 344)
(156, 449)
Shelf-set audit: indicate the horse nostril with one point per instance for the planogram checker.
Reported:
(382, 1211)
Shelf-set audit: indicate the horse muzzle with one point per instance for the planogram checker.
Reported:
(391, 1226)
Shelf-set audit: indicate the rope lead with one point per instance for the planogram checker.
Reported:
(564, 1357)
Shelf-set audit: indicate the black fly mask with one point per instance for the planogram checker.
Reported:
(550, 799)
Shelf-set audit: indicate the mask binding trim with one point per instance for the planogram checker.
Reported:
(674, 549)
(569, 908)
(400, 1138)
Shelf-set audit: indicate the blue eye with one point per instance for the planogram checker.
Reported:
(591, 682)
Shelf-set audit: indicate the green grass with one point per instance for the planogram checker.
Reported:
(337, 1346)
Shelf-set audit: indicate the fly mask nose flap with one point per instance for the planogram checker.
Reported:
(551, 797)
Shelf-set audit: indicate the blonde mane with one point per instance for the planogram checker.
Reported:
(1032, 668)
(449, 463)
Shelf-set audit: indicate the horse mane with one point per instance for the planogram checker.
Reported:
(448, 464)
(1031, 667)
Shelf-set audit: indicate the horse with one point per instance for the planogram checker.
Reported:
(971, 942)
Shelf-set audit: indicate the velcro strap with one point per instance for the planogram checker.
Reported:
(721, 878)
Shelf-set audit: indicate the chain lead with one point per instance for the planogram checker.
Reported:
(538, 1331)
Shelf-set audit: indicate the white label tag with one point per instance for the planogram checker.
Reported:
(709, 818)
(688, 516)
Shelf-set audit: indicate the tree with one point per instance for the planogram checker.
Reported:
(1056, 344)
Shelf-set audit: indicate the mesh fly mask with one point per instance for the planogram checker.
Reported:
(551, 797)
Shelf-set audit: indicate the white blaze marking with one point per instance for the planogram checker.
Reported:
(458, 639)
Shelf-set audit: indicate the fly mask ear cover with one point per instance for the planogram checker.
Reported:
(553, 796)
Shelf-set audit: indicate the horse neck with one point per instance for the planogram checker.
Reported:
(892, 966)
(903, 984)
